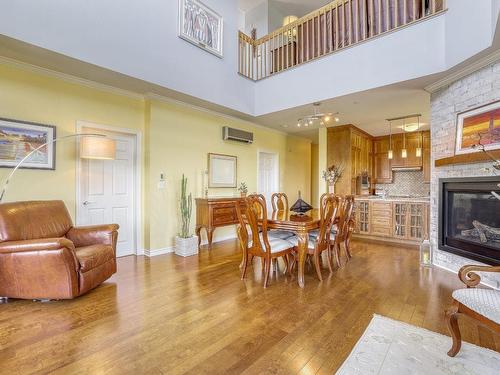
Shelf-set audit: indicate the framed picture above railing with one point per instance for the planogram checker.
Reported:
(202, 26)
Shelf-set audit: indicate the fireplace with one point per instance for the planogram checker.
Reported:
(469, 218)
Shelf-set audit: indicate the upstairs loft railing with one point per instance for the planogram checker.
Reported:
(340, 24)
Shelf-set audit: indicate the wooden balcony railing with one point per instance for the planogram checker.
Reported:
(340, 24)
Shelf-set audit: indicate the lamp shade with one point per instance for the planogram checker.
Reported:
(93, 147)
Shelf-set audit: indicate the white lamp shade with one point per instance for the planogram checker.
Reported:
(93, 147)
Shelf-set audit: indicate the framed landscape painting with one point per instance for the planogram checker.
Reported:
(200, 25)
(478, 126)
(222, 171)
(19, 138)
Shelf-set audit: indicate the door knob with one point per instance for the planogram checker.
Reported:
(86, 203)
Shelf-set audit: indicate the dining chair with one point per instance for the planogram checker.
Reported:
(279, 203)
(344, 228)
(317, 244)
(257, 242)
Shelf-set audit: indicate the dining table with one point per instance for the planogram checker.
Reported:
(300, 225)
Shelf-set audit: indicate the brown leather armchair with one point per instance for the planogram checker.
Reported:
(42, 256)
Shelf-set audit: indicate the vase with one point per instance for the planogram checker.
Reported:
(243, 195)
(331, 189)
(186, 247)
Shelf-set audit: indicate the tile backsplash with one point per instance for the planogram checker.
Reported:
(406, 183)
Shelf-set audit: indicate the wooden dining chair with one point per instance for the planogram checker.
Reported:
(344, 227)
(279, 202)
(316, 245)
(257, 242)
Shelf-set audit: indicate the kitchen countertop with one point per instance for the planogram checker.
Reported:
(393, 198)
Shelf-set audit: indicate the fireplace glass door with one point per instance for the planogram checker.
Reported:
(470, 220)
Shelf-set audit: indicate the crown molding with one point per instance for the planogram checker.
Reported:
(69, 78)
(164, 99)
(469, 69)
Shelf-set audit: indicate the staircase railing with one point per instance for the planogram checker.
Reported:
(340, 24)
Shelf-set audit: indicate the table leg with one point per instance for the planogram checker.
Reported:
(303, 239)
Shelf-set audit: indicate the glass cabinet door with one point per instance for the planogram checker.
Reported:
(400, 220)
(416, 215)
(363, 217)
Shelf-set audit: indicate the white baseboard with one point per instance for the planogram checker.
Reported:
(155, 252)
(171, 249)
(220, 239)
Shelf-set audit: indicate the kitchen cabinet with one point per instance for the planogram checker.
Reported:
(411, 141)
(352, 148)
(410, 220)
(392, 221)
(363, 217)
(382, 171)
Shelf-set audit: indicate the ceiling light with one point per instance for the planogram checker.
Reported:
(298, 124)
(317, 116)
(410, 127)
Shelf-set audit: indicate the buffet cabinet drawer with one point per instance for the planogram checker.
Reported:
(224, 215)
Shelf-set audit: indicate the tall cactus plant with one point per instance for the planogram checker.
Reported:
(186, 208)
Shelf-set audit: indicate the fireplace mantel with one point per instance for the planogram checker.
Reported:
(476, 157)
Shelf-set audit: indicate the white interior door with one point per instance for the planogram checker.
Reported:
(107, 191)
(268, 175)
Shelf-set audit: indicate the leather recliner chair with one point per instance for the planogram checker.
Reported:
(42, 256)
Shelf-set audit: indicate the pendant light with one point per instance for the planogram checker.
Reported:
(419, 148)
(404, 152)
(390, 154)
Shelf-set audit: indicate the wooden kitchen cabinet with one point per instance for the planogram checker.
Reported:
(410, 221)
(382, 169)
(352, 148)
(363, 217)
(411, 141)
(392, 221)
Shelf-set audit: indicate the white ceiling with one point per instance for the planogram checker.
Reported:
(367, 110)
(245, 5)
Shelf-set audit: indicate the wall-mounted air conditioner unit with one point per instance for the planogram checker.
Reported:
(231, 134)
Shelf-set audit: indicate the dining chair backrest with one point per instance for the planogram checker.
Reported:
(328, 211)
(279, 202)
(347, 210)
(256, 212)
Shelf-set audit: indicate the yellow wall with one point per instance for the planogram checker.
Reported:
(315, 175)
(176, 140)
(181, 138)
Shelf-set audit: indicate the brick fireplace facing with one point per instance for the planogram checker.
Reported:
(476, 89)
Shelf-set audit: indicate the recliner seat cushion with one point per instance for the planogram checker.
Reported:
(93, 256)
(483, 301)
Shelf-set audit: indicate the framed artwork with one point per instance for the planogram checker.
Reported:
(478, 126)
(200, 25)
(19, 138)
(221, 171)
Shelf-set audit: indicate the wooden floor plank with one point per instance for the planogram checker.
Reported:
(172, 315)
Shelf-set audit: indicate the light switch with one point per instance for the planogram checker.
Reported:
(162, 184)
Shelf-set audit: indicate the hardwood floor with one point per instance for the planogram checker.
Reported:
(169, 315)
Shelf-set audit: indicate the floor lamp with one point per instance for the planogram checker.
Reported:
(92, 146)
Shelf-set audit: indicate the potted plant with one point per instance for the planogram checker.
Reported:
(243, 189)
(186, 244)
(332, 175)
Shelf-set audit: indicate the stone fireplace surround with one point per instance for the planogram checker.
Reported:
(476, 89)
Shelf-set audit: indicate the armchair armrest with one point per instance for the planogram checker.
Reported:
(36, 245)
(471, 279)
(93, 235)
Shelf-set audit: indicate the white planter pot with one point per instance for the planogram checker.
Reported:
(186, 247)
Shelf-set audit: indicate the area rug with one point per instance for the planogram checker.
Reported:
(391, 347)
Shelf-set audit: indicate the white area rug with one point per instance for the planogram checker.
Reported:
(391, 347)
